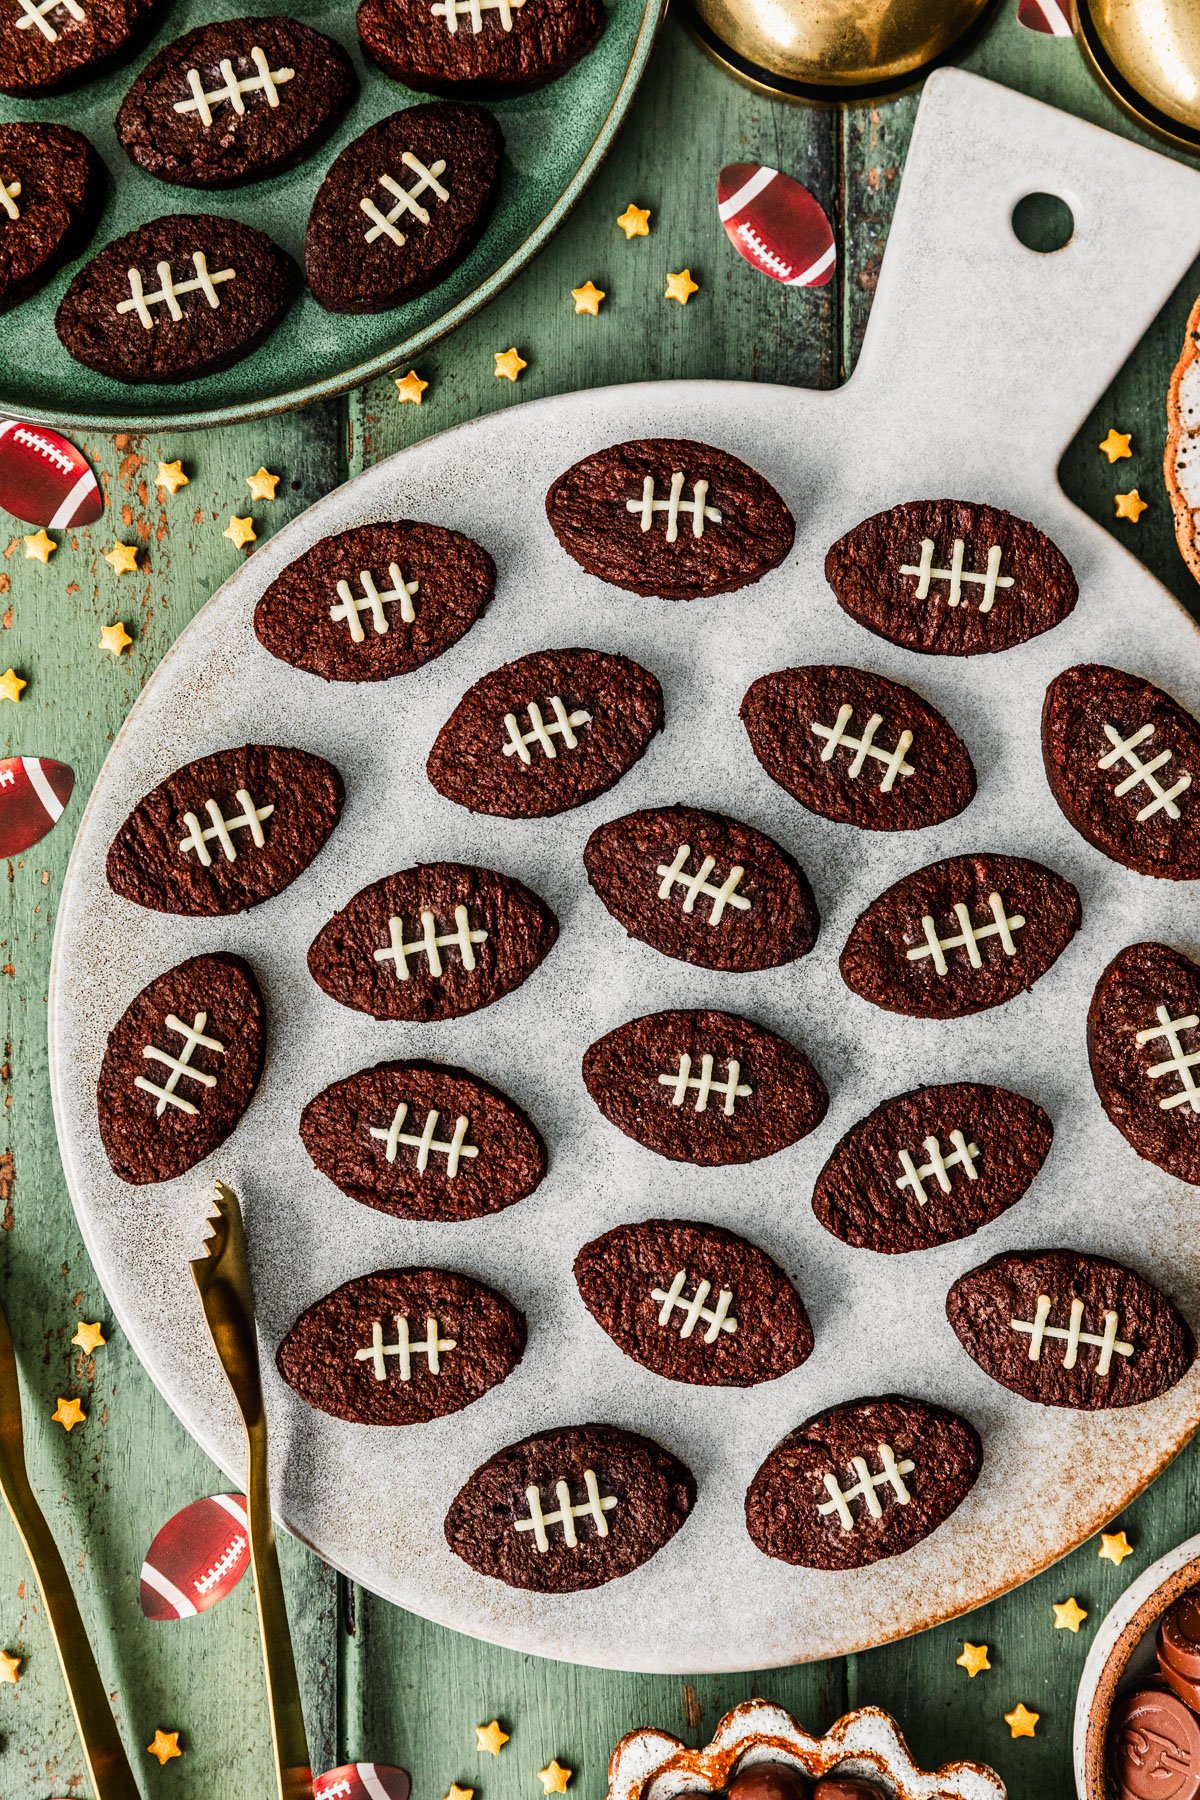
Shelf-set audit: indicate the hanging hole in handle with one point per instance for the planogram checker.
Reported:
(1043, 223)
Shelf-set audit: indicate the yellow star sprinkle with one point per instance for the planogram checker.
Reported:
(1068, 1615)
(509, 364)
(262, 484)
(588, 298)
(171, 476)
(681, 287)
(1130, 506)
(68, 1414)
(490, 1737)
(10, 1667)
(1114, 1547)
(40, 546)
(11, 685)
(1021, 1722)
(115, 638)
(1116, 445)
(89, 1337)
(411, 387)
(460, 1793)
(165, 1746)
(554, 1777)
(122, 559)
(240, 531)
(974, 1659)
(635, 221)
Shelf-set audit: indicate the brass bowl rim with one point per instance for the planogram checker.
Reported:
(1186, 137)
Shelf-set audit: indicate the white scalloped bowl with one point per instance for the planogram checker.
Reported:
(652, 1765)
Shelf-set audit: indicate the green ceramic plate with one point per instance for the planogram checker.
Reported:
(556, 139)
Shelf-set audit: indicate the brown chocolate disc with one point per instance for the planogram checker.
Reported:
(1154, 1747)
(769, 1781)
(1179, 1637)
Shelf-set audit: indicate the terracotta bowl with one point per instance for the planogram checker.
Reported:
(651, 1765)
(1122, 1655)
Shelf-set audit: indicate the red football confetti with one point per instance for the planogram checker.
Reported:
(33, 794)
(44, 479)
(363, 1781)
(776, 225)
(197, 1558)
(1051, 16)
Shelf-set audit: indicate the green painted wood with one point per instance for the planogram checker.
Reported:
(379, 1683)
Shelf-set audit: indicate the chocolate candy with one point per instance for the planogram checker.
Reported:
(1179, 1638)
(769, 1781)
(847, 1787)
(1154, 1748)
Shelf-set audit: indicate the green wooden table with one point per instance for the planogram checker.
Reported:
(379, 1684)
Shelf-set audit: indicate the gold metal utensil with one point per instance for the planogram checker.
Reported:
(107, 1765)
(222, 1277)
(833, 50)
(1147, 54)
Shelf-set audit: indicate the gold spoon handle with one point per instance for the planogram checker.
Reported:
(293, 1772)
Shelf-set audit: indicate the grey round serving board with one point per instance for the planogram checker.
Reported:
(981, 358)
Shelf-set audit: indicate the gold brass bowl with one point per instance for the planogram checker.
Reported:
(833, 50)
(1146, 53)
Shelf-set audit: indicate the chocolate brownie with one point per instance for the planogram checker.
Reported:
(809, 1503)
(855, 747)
(225, 288)
(226, 831)
(180, 1068)
(478, 46)
(694, 1303)
(548, 732)
(1120, 757)
(703, 888)
(627, 1498)
(432, 942)
(1142, 1045)
(235, 101)
(931, 1166)
(51, 186)
(401, 207)
(402, 1346)
(671, 517)
(1066, 1329)
(949, 578)
(960, 935)
(423, 1140)
(1153, 1747)
(375, 601)
(704, 1087)
(49, 44)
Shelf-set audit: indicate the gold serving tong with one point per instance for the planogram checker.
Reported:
(107, 1765)
(222, 1277)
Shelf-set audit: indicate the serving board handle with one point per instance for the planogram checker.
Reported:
(974, 335)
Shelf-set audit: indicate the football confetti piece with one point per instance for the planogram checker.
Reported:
(68, 1414)
(1048, 16)
(262, 484)
(1114, 1547)
(509, 364)
(171, 476)
(364, 1781)
(1021, 1722)
(44, 479)
(776, 225)
(89, 1337)
(39, 546)
(114, 638)
(11, 685)
(164, 1747)
(122, 559)
(1130, 506)
(196, 1559)
(33, 795)
(1115, 445)
(240, 531)
(635, 222)
(1068, 1615)
(410, 387)
(490, 1738)
(588, 298)
(974, 1659)
(681, 287)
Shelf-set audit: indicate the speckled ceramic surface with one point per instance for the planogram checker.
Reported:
(981, 358)
(555, 140)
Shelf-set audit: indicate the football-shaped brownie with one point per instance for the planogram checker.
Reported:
(670, 517)
(33, 797)
(180, 1068)
(862, 1481)
(375, 601)
(423, 1140)
(432, 942)
(1143, 1033)
(1120, 757)
(402, 1346)
(931, 1166)
(960, 936)
(47, 44)
(478, 46)
(570, 1508)
(401, 206)
(776, 225)
(546, 733)
(234, 101)
(856, 747)
(694, 1303)
(198, 1557)
(949, 578)
(703, 888)
(226, 831)
(183, 296)
(704, 1087)
(51, 184)
(363, 1781)
(1066, 1329)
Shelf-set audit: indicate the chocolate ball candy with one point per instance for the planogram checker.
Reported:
(769, 1781)
(847, 1787)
